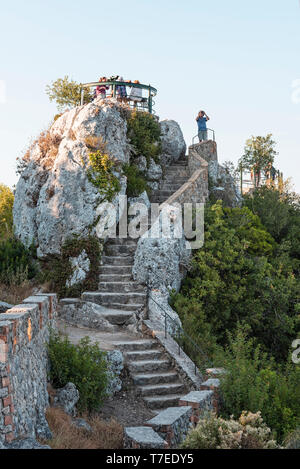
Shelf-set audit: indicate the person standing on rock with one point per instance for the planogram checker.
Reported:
(201, 119)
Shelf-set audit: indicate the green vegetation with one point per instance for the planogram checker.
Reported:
(259, 154)
(143, 131)
(57, 269)
(17, 263)
(100, 174)
(255, 382)
(248, 432)
(83, 365)
(66, 93)
(136, 182)
(6, 217)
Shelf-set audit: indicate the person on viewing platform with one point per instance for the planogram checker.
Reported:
(136, 94)
(101, 89)
(121, 91)
(201, 119)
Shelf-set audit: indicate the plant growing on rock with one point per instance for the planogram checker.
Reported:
(66, 93)
(144, 133)
(136, 182)
(83, 364)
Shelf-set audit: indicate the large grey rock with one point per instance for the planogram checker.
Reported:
(81, 267)
(173, 144)
(160, 312)
(54, 202)
(154, 172)
(4, 307)
(86, 314)
(162, 254)
(115, 361)
(67, 398)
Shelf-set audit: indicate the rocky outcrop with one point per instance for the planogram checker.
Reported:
(173, 144)
(54, 198)
(162, 253)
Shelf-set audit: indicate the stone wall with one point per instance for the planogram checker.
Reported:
(24, 331)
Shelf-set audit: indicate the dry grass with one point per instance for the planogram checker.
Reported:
(95, 143)
(48, 145)
(105, 435)
(15, 294)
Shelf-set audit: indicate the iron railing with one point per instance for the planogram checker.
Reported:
(144, 103)
(183, 340)
(211, 135)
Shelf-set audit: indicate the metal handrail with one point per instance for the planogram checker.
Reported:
(181, 332)
(210, 130)
(114, 83)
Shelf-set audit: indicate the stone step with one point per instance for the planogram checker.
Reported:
(135, 345)
(174, 180)
(120, 249)
(115, 278)
(121, 287)
(125, 307)
(144, 379)
(162, 389)
(163, 401)
(143, 438)
(118, 318)
(117, 260)
(148, 365)
(115, 269)
(144, 355)
(171, 187)
(108, 298)
(124, 241)
(162, 193)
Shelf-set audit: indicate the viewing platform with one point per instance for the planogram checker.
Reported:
(135, 95)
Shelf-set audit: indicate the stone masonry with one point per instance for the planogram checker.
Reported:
(24, 331)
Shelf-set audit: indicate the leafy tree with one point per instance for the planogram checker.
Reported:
(6, 216)
(232, 281)
(66, 93)
(259, 154)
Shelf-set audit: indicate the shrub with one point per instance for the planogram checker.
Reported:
(57, 269)
(144, 132)
(136, 182)
(83, 364)
(17, 263)
(249, 432)
(6, 216)
(100, 174)
(66, 93)
(256, 383)
(292, 441)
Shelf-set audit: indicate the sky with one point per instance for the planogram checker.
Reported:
(237, 60)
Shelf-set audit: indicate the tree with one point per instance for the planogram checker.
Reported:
(66, 93)
(6, 216)
(259, 155)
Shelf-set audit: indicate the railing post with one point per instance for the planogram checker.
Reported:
(150, 101)
(81, 96)
(165, 326)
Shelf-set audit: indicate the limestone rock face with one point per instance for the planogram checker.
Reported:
(173, 144)
(54, 198)
(162, 253)
(81, 266)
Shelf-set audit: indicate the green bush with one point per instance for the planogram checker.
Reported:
(57, 269)
(83, 365)
(17, 263)
(100, 174)
(144, 133)
(248, 432)
(6, 216)
(136, 182)
(256, 383)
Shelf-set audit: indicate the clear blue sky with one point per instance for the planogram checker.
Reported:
(235, 59)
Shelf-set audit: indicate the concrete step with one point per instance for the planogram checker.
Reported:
(162, 389)
(103, 298)
(120, 249)
(115, 269)
(115, 278)
(144, 379)
(118, 318)
(163, 401)
(143, 438)
(125, 307)
(148, 365)
(144, 355)
(121, 287)
(117, 260)
(135, 345)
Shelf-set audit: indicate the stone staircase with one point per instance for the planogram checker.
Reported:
(175, 176)
(153, 374)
